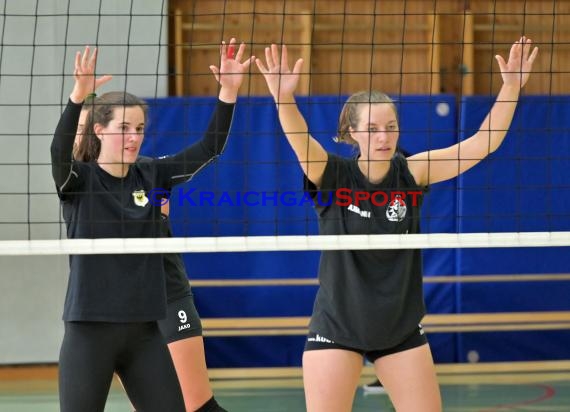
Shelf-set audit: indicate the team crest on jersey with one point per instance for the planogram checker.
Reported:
(396, 210)
(139, 196)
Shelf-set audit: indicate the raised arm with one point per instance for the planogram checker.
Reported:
(183, 165)
(282, 83)
(438, 165)
(64, 136)
(229, 75)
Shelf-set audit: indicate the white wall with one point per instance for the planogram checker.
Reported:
(38, 41)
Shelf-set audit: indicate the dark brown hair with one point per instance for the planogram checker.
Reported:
(87, 104)
(101, 111)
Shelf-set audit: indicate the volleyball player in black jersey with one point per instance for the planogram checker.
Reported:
(370, 302)
(182, 327)
(113, 301)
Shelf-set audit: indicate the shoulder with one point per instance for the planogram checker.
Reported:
(82, 169)
(144, 164)
(401, 167)
(337, 168)
(400, 160)
(144, 159)
(337, 161)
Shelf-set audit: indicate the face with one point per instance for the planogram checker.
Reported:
(377, 131)
(122, 138)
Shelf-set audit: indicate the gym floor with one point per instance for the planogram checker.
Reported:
(528, 386)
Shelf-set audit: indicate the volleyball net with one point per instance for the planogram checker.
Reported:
(508, 215)
(442, 79)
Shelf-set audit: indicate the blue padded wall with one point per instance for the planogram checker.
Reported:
(523, 186)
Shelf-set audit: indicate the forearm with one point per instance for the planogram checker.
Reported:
(62, 143)
(294, 126)
(216, 135)
(184, 164)
(495, 126)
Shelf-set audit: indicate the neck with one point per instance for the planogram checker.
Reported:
(114, 169)
(374, 170)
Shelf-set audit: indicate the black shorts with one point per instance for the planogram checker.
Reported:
(182, 320)
(417, 338)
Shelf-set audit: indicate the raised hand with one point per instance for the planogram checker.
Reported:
(84, 74)
(281, 81)
(516, 70)
(231, 72)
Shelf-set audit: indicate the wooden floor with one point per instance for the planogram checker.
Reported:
(498, 387)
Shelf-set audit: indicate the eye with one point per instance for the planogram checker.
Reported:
(372, 129)
(140, 129)
(392, 127)
(124, 128)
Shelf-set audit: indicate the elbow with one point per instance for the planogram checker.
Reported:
(216, 149)
(53, 148)
(219, 150)
(495, 144)
(55, 154)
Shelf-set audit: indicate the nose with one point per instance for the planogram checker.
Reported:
(381, 135)
(133, 135)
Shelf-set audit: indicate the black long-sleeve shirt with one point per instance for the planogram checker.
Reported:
(121, 287)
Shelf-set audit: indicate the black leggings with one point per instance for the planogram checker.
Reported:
(92, 351)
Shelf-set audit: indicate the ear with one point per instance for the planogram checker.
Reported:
(98, 129)
(351, 132)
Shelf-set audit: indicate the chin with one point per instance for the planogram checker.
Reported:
(130, 158)
(383, 155)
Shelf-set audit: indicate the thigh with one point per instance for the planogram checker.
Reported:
(410, 380)
(182, 320)
(147, 372)
(86, 365)
(330, 378)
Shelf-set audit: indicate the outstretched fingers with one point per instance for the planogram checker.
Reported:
(284, 58)
(276, 62)
(275, 55)
(102, 80)
(216, 72)
(84, 73)
(516, 70)
(77, 62)
(85, 57)
(236, 55)
(92, 62)
(502, 63)
(297, 67)
(261, 66)
(269, 58)
(530, 59)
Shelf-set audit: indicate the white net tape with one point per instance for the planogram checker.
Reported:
(283, 243)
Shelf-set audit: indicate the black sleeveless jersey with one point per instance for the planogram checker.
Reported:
(368, 299)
